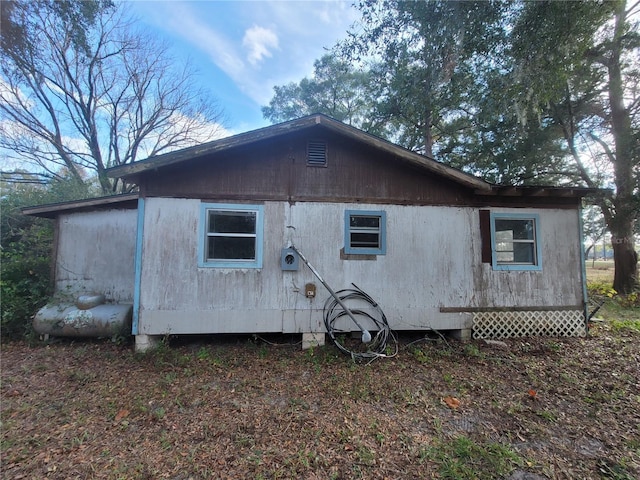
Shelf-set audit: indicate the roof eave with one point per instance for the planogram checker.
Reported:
(52, 210)
(541, 191)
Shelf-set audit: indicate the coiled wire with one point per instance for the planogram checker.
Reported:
(383, 344)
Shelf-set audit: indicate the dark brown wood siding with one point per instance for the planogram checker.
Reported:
(278, 170)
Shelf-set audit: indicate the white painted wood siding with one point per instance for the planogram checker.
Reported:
(433, 260)
(96, 252)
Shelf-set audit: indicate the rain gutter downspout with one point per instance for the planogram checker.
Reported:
(583, 270)
(138, 268)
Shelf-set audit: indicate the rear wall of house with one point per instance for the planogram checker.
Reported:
(432, 263)
(95, 253)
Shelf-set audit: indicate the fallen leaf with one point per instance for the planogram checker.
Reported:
(122, 414)
(452, 402)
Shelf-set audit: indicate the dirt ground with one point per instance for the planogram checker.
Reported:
(245, 408)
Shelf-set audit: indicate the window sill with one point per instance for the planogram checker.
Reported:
(356, 256)
(517, 268)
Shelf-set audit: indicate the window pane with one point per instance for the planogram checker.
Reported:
(505, 257)
(231, 248)
(523, 253)
(365, 240)
(364, 222)
(232, 222)
(520, 229)
(504, 237)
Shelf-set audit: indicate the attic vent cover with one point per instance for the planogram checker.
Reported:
(317, 154)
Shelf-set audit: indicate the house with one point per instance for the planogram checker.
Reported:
(202, 247)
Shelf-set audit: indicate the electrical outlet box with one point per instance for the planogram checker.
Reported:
(289, 260)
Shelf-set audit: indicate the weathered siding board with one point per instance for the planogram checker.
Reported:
(559, 282)
(95, 252)
(433, 261)
(241, 172)
(361, 173)
(278, 171)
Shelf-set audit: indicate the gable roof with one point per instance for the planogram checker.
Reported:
(136, 169)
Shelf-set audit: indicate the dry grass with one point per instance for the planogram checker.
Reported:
(557, 408)
(600, 271)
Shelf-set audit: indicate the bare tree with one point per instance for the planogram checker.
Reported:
(82, 90)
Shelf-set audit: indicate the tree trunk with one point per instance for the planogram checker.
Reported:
(625, 260)
(622, 223)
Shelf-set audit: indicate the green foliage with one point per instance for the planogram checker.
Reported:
(472, 350)
(622, 312)
(626, 325)
(546, 65)
(336, 89)
(518, 92)
(25, 279)
(631, 300)
(604, 290)
(600, 289)
(433, 64)
(25, 255)
(461, 457)
(614, 469)
(420, 354)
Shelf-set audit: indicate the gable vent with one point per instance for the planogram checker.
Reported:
(317, 154)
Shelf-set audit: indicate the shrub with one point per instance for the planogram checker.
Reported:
(600, 289)
(25, 252)
(25, 280)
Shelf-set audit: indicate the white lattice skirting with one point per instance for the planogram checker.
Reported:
(558, 323)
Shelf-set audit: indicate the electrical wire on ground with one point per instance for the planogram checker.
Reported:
(383, 344)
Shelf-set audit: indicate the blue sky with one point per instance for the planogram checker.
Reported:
(242, 49)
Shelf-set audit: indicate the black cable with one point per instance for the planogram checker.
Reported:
(379, 343)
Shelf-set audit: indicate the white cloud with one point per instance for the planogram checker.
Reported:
(256, 44)
(186, 23)
(258, 41)
(306, 29)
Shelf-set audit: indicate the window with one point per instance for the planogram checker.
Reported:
(365, 232)
(231, 236)
(514, 242)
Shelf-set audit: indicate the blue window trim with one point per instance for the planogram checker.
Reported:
(202, 235)
(348, 249)
(537, 241)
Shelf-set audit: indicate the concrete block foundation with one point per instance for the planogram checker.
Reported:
(145, 343)
(313, 339)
